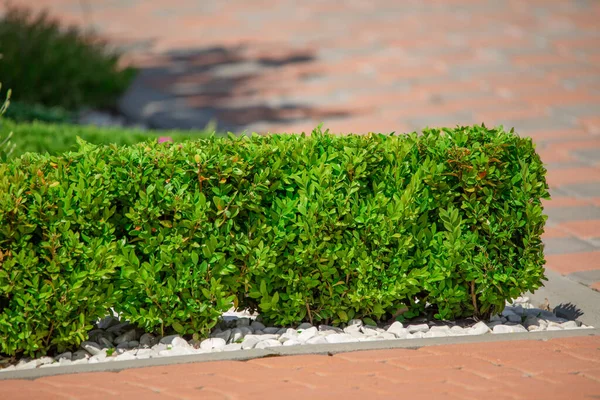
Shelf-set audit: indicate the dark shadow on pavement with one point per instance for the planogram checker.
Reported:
(230, 88)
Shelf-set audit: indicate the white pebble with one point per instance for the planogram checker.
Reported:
(212, 343)
(339, 338)
(267, 343)
(417, 328)
(307, 334)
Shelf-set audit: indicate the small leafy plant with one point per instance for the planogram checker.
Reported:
(48, 65)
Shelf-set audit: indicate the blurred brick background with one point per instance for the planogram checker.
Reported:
(383, 66)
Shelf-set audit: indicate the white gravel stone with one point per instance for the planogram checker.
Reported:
(396, 326)
(353, 329)
(232, 347)
(64, 361)
(554, 328)
(355, 322)
(508, 329)
(168, 339)
(317, 340)
(213, 343)
(100, 357)
(126, 356)
(570, 325)
(250, 343)
(92, 348)
(290, 333)
(416, 335)
(387, 336)
(457, 331)
(292, 342)
(436, 333)
(141, 353)
(225, 335)
(368, 331)
(27, 365)
(479, 328)
(180, 342)
(418, 328)
(306, 334)
(264, 344)
(339, 338)
(357, 334)
(263, 337)
(327, 328)
(176, 351)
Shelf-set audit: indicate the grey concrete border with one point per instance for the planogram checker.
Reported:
(314, 349)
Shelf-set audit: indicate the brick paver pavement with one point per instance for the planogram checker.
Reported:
(380, 65)
(556, 369)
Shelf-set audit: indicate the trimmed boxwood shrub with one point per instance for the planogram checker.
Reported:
(317, 228)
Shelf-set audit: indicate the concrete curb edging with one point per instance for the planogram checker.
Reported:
(314, 349)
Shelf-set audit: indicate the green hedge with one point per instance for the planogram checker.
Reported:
(56, 139)
(321, 228)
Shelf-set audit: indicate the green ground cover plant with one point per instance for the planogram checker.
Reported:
(56, 139)
(7, 147)
(53, 69)
(318, 228)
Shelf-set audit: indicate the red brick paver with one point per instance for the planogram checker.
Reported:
(556, 369)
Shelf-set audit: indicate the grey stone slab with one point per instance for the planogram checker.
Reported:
(568, 164)
(583, 189)
(563, 214)
(577, 110)
(548, 123)
(589, 155)
(566, 293)
(585, 277)
(566, 245)
(436, 120)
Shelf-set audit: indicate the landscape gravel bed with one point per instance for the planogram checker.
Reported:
(113, 340)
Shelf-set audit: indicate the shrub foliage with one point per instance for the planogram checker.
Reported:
(317, 228)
